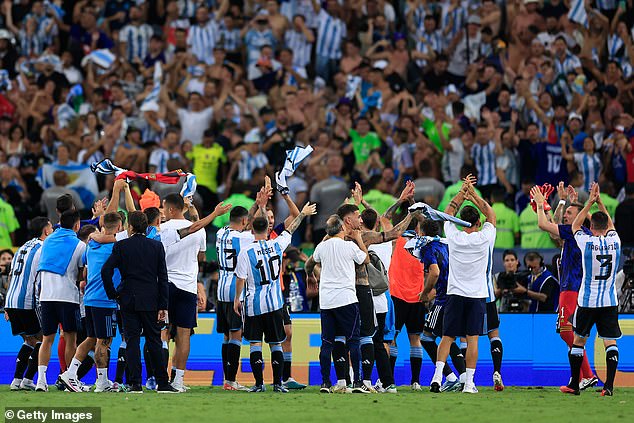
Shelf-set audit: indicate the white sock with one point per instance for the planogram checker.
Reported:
(470, 374)
(74, 366)
(178, 379)
(41, 374)
(463, 377)
(341, 382)
(165, 346)
(102, 375)
(440, 365)
(451, 377)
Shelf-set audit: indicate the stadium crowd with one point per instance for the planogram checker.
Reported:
(400, 102)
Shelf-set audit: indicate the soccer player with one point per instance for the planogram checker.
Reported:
(258, 274)
(598, 302)
(59, 270)
(101, 312)
(571, 268)
(19, 305)
(470, 257)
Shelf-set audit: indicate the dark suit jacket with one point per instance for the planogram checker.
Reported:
(141, 262)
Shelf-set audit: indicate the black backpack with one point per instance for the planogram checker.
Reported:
(377, 274)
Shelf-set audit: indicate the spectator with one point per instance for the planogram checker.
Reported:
(51, 195)
(623, 217)
(541, 287)
(9, 224)
(428, 189)
(508, 224)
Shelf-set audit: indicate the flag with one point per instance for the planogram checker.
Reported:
(416, 244)
(103, 58)
(106, 167)
(151, 101)
(189, 187)
(293, 159)
(80, 176)
(432, 214)
(577, 12)
(5, 81)
(65, 113)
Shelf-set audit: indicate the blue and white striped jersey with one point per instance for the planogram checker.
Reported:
(21, 292)
(606, 4)
(137, 39)
(330, 33)
(202, 40)
(600, 262)
(159, 159)
(249, 163)
(590, 166)
(569, 64)
(298, 42)
(229, 243)
(260, 265)
(435, 40)
(484, 160)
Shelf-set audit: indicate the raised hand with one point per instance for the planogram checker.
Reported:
(561, 191)
(357, 194)
(309, 209)
(536, 194)
(573, 196)
(547, 189)
(222, 208)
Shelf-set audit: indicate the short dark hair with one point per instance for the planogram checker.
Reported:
(369, 217)
(430, 227)
(85, 231)
(470, 214)
(509, 253)
(599, 220)
(260, 225)
(152, 213)
(38, 224)
(237, 214)
(175, 200)
(498, 194)
(64, 202)
(425, 166)
(346, 209)
(68, 219)
(123, 216)
(138, 221)
(111, 220)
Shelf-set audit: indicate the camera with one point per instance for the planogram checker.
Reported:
(508, 280)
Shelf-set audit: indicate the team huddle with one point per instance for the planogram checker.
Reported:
(413, 266)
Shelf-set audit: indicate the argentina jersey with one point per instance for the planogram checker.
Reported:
(484, 160)
(490, 288)
(260, 265)
(437, 253)
(229, 243)
(600, 260)
(21, 292)
(571, 268)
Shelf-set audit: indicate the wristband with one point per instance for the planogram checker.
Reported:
(562, 202)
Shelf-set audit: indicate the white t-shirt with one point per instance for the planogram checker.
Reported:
(384, 251)
(54, 287)
(337, 281)
(167, 237)
(194, 124)
(470, 260)
(182, 258)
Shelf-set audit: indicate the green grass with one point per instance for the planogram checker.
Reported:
(202, 405)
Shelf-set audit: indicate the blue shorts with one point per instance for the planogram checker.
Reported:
(101, 323)
(464, 316)
(340, 321)
(182, 308)
(54, 313)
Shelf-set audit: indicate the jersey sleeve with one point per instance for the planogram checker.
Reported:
(450, 229)
(80, 250)
(358, 255)
(245, 238)
(489, 231)
(120, 236)
(317, 254)
(169, 237)
(565, 232)
(581, 238)
(284, 240)
(242, 268)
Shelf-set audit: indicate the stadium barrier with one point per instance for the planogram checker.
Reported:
(534, 355)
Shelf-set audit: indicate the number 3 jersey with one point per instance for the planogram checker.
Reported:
(259, 264)
(600, 260)
(21, 291)
(229, 243)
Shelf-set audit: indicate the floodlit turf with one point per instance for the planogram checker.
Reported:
(201, 404)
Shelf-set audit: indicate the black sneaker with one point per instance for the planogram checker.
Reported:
(325, 388)
(280, 388)
(167, 389)
(357, 388)
(59, 384)
(434, 387)
(257, 388)
(136, 389)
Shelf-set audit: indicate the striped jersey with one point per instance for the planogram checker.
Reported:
(202, 40)
(435, 40)
(568, 64)
(21, 293)
(260, 265)
(229, 243)
(249, 163)
(484, 160)
(297, 41)
(590, 166)
(137, 39)
(330, 33)
(600, 260)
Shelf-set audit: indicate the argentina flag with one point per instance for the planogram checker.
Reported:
(150, 103)
(577, 13)
(80, 176)
(293, 159)
(103, 58)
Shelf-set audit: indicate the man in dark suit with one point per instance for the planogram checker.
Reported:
(142, 296)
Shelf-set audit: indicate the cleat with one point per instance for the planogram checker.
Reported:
(84, 387)
(257, 388)
(588, 383)
(135, 389)
(497, 382)
(450, 386)
(150, 383)
(469, 389)
(325, 388)
(340, 389)
(120, 387)
(280, 388)
(293, 384)
(105, 388)
(15, 384)
(59, 384)
(390, 389)
(168, 389)
(71, 384)
(416, 387)
(358, 388)
(434, 387)
(27, 385)
(606, 392)
(568, 390)
(234, 386)
(178, 386)
(368, 388)
(41, 386)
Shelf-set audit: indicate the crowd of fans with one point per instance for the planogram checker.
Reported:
(521, 92)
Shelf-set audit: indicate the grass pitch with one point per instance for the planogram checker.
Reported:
(203, 404)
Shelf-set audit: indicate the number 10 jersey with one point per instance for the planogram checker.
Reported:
(600, 259)
(229, 243)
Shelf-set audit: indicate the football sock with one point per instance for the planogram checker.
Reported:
(121, 365)
(166, 354)
(496, 354)
(22, 360)
(451, 377)
(288, 360)
(102, 376)
(575, 356)
(224, 358)
(569, 337)
(355, 357)
(74, 366)
(463, 348)
(612, 361)
(393, 356)
(33, 360)
(367, 357)
(41, 373)
(383, 366)
(149, 365)
(416, 362)
(470, 374)
(277, 363)
(432, 351)
(257, 364)
(86, 365)
(438, 372)
(339, 352)
(172, 374)
(457, 358)
(61, 351)
(179, 375)
(233, 359)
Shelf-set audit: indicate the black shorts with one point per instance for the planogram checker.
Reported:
(54, 313)
(493, 318)
(605, 318)
(101, 323)
(81, 330)
(464, 316)
(228, 320)
(287, 315)
(340, 321)
(366, 311)
(182, 307)
(412, 315)
(23, 322)
(270, 325)
(433, 324)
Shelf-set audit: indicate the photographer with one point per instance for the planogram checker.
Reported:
(540, 285)
(512, 298)
(625, 283)
(6, 256)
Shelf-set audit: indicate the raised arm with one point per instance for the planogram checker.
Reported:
(481, 204)
(220, 209)
(602, 208)
(373, 237)
(458, 199)
(307, 210)
(542, 220)
(578, 222)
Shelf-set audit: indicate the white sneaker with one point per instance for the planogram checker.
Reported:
(469, 389)
(41, 386)
(179, 386)
(27, 385)
(15, 384)
(339, 389)
(106, 387)
(416, 387)
(71, 384)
